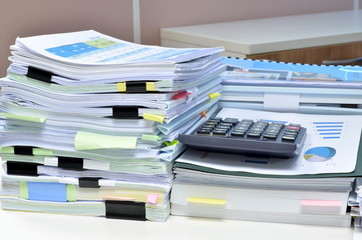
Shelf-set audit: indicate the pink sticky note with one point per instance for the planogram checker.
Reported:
(152, 198)
(321, 203)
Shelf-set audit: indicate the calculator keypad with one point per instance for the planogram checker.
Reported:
(247, 136)
(247, 128)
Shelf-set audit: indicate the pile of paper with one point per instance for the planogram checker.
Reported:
(291, 87)
(355, 202)
(311, 188)
(89, 123)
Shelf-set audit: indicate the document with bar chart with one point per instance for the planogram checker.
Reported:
(331, 146)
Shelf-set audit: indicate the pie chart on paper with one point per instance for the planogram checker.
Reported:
(319, 154)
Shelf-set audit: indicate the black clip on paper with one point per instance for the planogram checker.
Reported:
(125, 112)
(39, 74)
(126, 210)
(89, 182)
(136, 87)
(70, 163)
(22, 168)
(23, 150)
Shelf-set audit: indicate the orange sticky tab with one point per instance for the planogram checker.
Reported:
(204, 114)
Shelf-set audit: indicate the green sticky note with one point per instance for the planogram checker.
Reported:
(88, 141)
(22, 117)
(9, 150)
(71, 193)
(23, 190)
(43, 152)
(149, 137)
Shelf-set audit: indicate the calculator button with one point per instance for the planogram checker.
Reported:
(219, 133)
(231, 120)
(225, 124)
(238, 133)
(254, 134)
(270, 136)
(204, 131)
(288, 138)
(208, 125)
(293, 127)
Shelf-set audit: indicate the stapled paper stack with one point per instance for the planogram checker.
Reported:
(355, 202)
(310, 188)
(303, 88)
(90, 122)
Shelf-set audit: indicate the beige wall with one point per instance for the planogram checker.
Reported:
(156, 14)
(114, 17)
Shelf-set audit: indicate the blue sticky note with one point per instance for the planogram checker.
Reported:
(47, 191)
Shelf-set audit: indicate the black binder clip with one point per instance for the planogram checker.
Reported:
(70, 163)
(125, 112)
(127, 210)
(39, 74)
(22, 168)
(88, 182)
(23, 150)
(136, 87)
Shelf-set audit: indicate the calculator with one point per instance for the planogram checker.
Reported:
(247, 136)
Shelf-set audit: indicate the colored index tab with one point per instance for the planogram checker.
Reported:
(9, 150)
(88, 141)
(213, 96)
(168, 143)
(154, 117)
(23, 190)
(149, 137)
(43, 152)
(71, 193)
(47, 191)
(206, 201)
(321, 203)
(311, 206)
(150, 86)
(121, 87)
(152, 198)
(22, 117)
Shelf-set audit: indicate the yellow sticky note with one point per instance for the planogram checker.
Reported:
(150, 86)
(154, 117)
(206, 201)
(213, 96)
(88, 141)
(24, 118)
(121, 86)
(149, 137)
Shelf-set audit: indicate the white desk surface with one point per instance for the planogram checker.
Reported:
(19, 225)
(270, 34)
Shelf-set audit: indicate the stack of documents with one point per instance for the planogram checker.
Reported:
(355, 202)
(311, 188)
(264, 85)
(89, 123)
